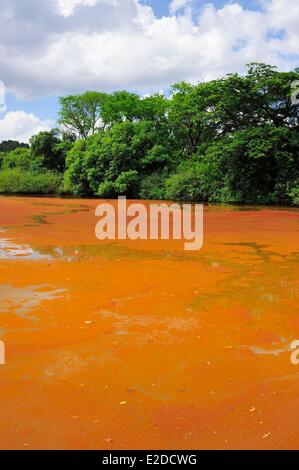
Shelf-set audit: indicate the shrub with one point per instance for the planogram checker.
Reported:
(185, 185)
(294, 195)
(14, 181)
(106, 190)
(19, 158)
(48, 150)
(127, 183)
(153, 186)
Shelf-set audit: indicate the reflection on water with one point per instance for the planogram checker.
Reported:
(270, 352)
(42, 219)
(21, 300)
(10, 250)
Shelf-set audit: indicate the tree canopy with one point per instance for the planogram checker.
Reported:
(234, 139)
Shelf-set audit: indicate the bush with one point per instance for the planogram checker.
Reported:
(127, 183)
(255, 165)
(76, 179)
(10, 145)
(117, 155)
(153, 186)
(106, 190)
(185, 185)
(49, 151)
(294, 195)
(15, 181)
(19, 158)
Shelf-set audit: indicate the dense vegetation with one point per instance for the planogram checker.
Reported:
(234, 140)
(9, 145)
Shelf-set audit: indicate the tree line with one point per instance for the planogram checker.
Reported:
(231, 140)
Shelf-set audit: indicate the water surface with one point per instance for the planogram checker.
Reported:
(141, 344)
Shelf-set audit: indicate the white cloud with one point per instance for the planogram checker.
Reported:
(67, 7)
(18, 125)
(74, 45)
(176, 5)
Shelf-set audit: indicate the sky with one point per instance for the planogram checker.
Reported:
(51, 48)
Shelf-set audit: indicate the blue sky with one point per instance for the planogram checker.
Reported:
(139, 45)
(161, 7)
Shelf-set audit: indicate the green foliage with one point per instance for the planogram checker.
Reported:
(16, 181)
(294, 194)
(153, 186)
(234, 139)
(158, 157)
(254, 165)
(185, 184)
(116, 155)
(81, 114)
(19, 158)
(192, 116)
(119, 106)
(48, 151)
(9, 145)
(106, 190)
(127, 183)
(76, 178)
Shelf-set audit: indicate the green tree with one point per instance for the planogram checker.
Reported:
(81, 114)
(260, 98)
(20, 158)
(9, 145)
(122, 150)
(253, 165)
(48, 151)
(191, 117)
(119, 106)
(234, 139)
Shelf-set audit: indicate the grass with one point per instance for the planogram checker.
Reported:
(15, 181)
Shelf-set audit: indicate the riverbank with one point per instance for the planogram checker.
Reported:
(236, 206)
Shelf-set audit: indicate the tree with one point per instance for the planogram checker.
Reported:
(253, 165)
(115, 156)
(235, 139)
(49, 151)
(185, 184)
(262, 97)
(19, 158)
(120, 106)
(81, 114)
(191, 116)
(9, 145)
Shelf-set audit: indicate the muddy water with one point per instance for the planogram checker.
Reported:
(141, 344)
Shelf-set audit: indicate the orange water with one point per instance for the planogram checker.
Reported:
(142, 345)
